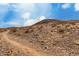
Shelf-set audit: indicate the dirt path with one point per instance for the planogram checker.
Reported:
(25, 49)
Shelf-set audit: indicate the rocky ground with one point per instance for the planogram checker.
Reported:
(46, 38)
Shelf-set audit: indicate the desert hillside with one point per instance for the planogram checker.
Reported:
(45, 38)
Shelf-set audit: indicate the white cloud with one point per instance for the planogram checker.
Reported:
(15, 24)
(66, 5)
(26, 11)
(23, 7)
(26, 15)
(76, 6)
(30, 22)
(41, 18)
(4, 4)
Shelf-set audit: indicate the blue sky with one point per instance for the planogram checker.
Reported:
(21, 14)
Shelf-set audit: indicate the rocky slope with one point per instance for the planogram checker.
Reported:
(48, 37)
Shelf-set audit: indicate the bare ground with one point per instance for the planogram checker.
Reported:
(50, 37)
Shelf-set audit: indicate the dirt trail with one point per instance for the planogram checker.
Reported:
(25, 49)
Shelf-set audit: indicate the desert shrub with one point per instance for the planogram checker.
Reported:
(52, 30)
(26, 31)
(45, 47)
(13, 30)
(42, 42)
(61, 31)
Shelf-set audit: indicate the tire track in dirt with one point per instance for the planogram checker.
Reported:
(24, 49)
